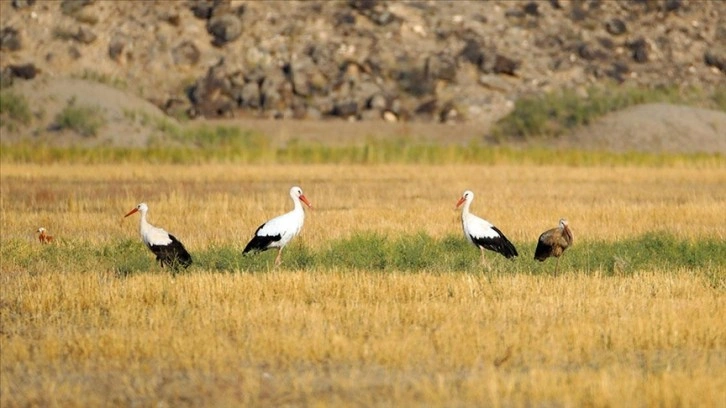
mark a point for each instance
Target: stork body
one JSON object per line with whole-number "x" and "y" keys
{"x": 481, "y": 233}
{"x": 43, "y": 237}
{"x": 168, "y": 250}
{"x": 554, "y": 242}
{"x": 279, "y": 231}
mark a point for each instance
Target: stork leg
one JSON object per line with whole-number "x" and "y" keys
{"x": 278, "y": 260}
{"x": 557, "y": 265}
{"x": 484, "y": 259}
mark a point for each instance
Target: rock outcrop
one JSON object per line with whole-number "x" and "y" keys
{"x": 362, "y": 59}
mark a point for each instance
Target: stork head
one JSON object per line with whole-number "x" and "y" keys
{"x": 40, "y": 230}
{"x": 563, "y": 223}
{"x": 466, "y": 197}
{"x": 141, "y": 207}
{"x": 297, "y": 193}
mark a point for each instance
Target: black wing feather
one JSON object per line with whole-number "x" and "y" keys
{"x": 261, "y": 242}
{"x": 498, "y": 244}
{"x": 172, "y": 254}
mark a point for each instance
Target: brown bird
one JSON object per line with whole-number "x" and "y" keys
{"x": 43, "y": 237}
{"x": 553, "y": 242}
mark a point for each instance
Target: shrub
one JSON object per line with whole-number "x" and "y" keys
{"x": 553, "y": 114}
{"x": 14, "y": 109}
{"x": 105, "y": 79}
{"x": 84, "y": 120}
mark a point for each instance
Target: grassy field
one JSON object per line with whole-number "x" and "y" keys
{"x": 380, "y": 301}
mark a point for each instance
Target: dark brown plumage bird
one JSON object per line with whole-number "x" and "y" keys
{"x": 43, "y": 237}
{"x": 553, "y": 242}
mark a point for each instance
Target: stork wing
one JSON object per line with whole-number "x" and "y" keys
{"x": 157, "y": 236}
{"x": 480, "y": 228}
{"x": 281, "y": 225}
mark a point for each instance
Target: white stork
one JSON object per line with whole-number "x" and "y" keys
{"x": 277, "y": 232}
{"x": 168, "y": 249}
{"x": 553, "y": 242}
{"x": 43, "y": 237}
{"x": 481, "y": 233}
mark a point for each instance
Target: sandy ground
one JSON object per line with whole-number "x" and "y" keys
{"x": 655, "y": 128}
{"x": 131, "y": 121}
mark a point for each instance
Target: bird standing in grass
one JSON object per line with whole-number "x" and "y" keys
{"x": 554, "y": 242}
{"x": 168, "y": 250}
{"x": 481, "y": 233}
{"x": 277, "y": 232}
{"x": 43, "y": 237}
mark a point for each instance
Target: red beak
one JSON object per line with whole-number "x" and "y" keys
{"x": 460, "y": 202}
{"x": 131, "y": 212}
{"x": 305, "y": 200}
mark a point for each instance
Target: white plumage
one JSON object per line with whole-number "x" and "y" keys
{"x": 481, "y": 233}
{"x": 166, "y": 247}
{"x": 279, "y": 231}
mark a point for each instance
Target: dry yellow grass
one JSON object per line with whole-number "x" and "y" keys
{"x": 223, "y": 203}
{"x": 356, "y": 338}
{"x": 363, "y": 339}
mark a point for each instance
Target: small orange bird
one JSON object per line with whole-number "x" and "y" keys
{"x": 553, "y": 242}
{"x": 43, "y": 237}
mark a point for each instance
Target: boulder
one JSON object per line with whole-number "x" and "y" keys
{"x": 24, "y": 71}
{"x": 185, "y": 53}
{"x": 715, "y": 60}
{"x": 615, "y": 26}
{"x": 639, "y": 50}
{"x": 224, "y": 28}
{"x": 21, "y": 4}
{"x": 211, "y": 96}
{"x": 10, "y": 39}
{"x": 70, "y": 7}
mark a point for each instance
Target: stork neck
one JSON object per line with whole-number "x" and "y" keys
{"x": 297, "y": 205}
{"x": 465, "y": 208}
{"x": 143, "y": 223}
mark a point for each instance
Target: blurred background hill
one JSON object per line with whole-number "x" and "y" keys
{"x": 490, "y": 71}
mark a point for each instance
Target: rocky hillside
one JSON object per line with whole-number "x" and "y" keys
{"x": 445, "y": 61}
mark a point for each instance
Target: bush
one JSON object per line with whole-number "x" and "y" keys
{"x": 84, "y": 120}
{"x": 554, "y": 114}
{"x": 14, "y": 109}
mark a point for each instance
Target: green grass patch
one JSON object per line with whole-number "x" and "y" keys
{"x": 84, "y": 120}
{"x": 101, "y": 78}
{"x": 378, "y": 253}
{"x": 225, "y": 145}
{"x": 223, "y": 138}
{"x": 556, "y": 113}
{"x": 14, "y": 110}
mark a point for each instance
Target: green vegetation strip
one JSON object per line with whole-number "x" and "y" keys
{"x": 556, "y": 113}
{"x": 377, "y": 253}
{"x": 374, "y": 152}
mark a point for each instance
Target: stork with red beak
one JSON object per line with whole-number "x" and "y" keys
{"x": 168, "y": 250}
{"x": 279, "y": 231}
{"x": 481, "y": 233}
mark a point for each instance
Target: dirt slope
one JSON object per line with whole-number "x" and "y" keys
{"x": 655, "y": 128}
{"x": 127, "y": 119}
{"x": 132, "y": 121}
